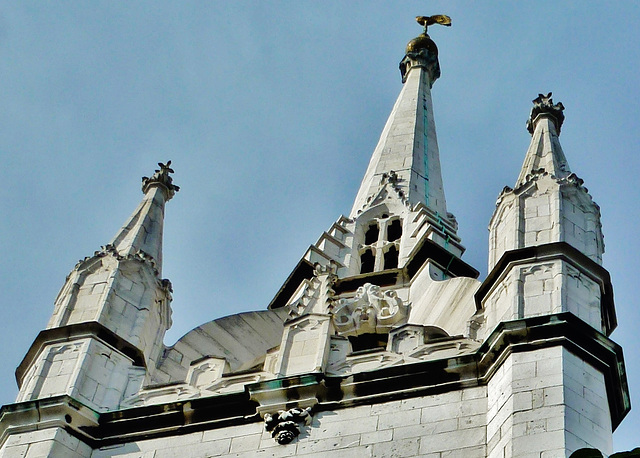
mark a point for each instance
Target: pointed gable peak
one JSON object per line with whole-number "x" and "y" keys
{"x": 389, "y": 188}
{"x": 142, "y": 233}
{"x": 545, "y": 153}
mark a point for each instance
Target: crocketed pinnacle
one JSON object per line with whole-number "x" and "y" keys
{"x": 143, "y": 230}
{"x": 544, "y": 151}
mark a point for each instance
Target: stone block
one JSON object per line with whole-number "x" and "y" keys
{"x": 406, "y": 418}
{"x": 543, "y": 413}
{"x": 469, "y": 452}
{"x": 397, "y": 448}
{"x": 473, "y": 393}
{"x": 425, "y": 430}
{"x": 329, "y": 444}
{"x": 345, "y": 428}
{"x": 376, "y": 437}
{"x": 352, "y": 452}
{"x": 344, "y": 414}
{"x": 522, "y": 401}
{"x": 212, "y": 448}
{"x": 40, "y": 449}
{"x": 386, "y": 408}
{"x": 167, "y": 442}
{"x": 240, "y": 430}
{"x": 439, "y": 412}
{"x": 30, "y": 437}
{"x": 494, "y": 423}
{"x": 527, "y": 384}
{"x": 245, "y": 443}
{"x": 537, "y": 443}
{"x": 472, "y": 407}
{"x": 472, "y": 421}
{"x": 15, "y": 451}
{"x": 465, "y": 438}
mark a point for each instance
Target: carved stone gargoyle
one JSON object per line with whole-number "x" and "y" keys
{"x": 284, "y": 425}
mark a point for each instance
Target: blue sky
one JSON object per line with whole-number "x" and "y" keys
{"x": 270, "y": 112}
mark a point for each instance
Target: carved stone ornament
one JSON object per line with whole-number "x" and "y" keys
{"x": 162, "y": 177}
{"x": 140, "y": 256}
{"x": 543, "y": 104}
{"x": 318, "y": 292}
{"x": 284, "y": 425}
{"x": 371, "y": 311}
{"x": 389, "y": 180}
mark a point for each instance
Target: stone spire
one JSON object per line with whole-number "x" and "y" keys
{"x": 143, "y": 230}
{"x": 408, "y": 145}
{"x": 545, "y": 151}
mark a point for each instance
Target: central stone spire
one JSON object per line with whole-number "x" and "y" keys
{"x": 408, "y": 146}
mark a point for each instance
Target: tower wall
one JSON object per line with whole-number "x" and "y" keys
{"x": 86, "y": 369}
{"x": 547, "y": 402}
{"x": 51, "y": 442}
{"x": 546, "y": 210}
{"x": 534, "y": 288}
{"x": 453, "y": 422}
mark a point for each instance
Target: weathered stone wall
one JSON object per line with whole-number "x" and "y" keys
{"x": 537, "y": 288}
{"x": 449, "y": 424}
{"x": 87, "y": 369}
{"x": 546, "y": 403}
{"x": 52, "y": 442}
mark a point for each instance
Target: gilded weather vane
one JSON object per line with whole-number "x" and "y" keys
{"x": 422, "y": 50}
{"x": 426, "y": 21}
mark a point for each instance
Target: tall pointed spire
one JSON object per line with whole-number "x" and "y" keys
{"x": 408, "y": 145}
{"x": 143, "y": 230}
{"x": 544, "y": 151}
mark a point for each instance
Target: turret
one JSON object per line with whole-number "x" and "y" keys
{"x": 550, "y": 216}
{"x": 545, "y": 254}
{"x": 110, "y": 317}
{"x": 548, "y": 203}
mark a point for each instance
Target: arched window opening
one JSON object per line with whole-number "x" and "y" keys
{"x": 371, "y": 236}
{"x": 391, "y": 258}
{"x": 394, "y": 230}
{"x": 367, "y": 261}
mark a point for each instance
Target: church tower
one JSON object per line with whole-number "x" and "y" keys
{"x": 381, "y": 341}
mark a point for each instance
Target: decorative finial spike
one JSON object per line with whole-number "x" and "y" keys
{"x": 543, "y": 104}
{"x": 161, "y": 177}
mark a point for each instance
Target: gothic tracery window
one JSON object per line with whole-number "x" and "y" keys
{"x": 381, "y": 244}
